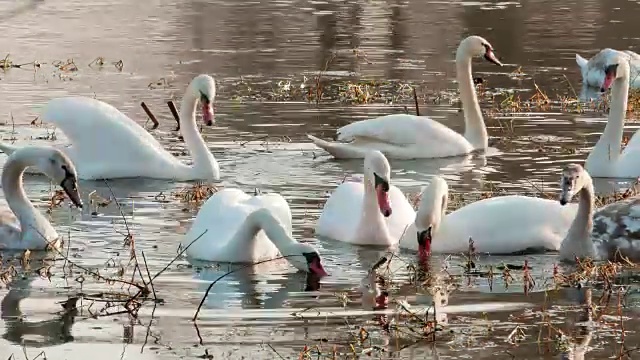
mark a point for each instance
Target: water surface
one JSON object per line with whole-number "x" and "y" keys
{"x": 252, "y": 48}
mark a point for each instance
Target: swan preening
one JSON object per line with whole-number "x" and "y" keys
{"x": 497, "y": 225}
{"x": 606, "y": 234}
{"x": 592, "y": 70}
{"x": 607, "y": 158}
{"x": 403, "y": 136}
{"x": 22, "y": 226}
{"x": 243, "y": 229}
{"x": 106, "y": 144}
{"x": 373, "y": 212}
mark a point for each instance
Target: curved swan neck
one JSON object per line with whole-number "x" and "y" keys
{"x": 263, "y": 219}
{"x": 203, "y": 160}
{"x": 610, "y": 143}
{"x": 30, "y": 219}
{"x": 433, "y": 206}
{"x": 475, "y": 130}
{"x": 370, "y": 207}
{"x": 578, "y": 241}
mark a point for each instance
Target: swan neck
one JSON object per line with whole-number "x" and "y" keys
{"x": 12, "y": 184}
{"x": 578, "y": 241}
{"x": 370, "y": 208}
{"x": 609, "y": 145}
{"x": 475, "y": 130}
{"x": 203, "y": 160}
{"x": 433, "y": 205}
{"x": 263, "y": 219}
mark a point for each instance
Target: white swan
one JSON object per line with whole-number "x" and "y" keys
{"x": 22, "y": 226}
{"x": 403, "y": 136}
{"x": 245, "y": 229}
{"x": 498, "y": 225}
{"x": 612, "y": 230}
{"x": 369, "y": 213}
{"x": 106, "y": 144}
{"x": 592, "y": 70}
{"x": 606, "y": 158}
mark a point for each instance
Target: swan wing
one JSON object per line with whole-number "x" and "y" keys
{"x": 79, "y": 116}
{"x": 616, "y": 228}
{"x": 102, "y": 137}
{"x": 10, "y": 231}
{"x": 400, "y": 129}
{"x": 221, "y": 216}
{"x": 341, "y": 214}
{"x": 505, "y": 224}
{"x": 402, "y": 214}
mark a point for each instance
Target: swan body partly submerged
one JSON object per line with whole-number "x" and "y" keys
{"x": 603, "y": 234}
{"x": 607, "y": 159}
{"x": 244, "y": 229}
{"x": 497, "y": 225}
{"x": 402, "y": 136}
{"x": 373, "y": 212}
{"x": 592, "y": 70}
{"x": 106, "y": 144}
{"x": 23, "y": 227}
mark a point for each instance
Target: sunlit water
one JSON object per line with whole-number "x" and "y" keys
{"x": 262, "y": 144}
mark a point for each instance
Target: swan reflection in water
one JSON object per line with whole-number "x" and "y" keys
{"x": 33, "y": 334}
{"x": 578, "y": 346}
{"x": 263, "y": 286}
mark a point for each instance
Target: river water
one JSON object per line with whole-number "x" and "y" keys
{"x": 253, "y": 48}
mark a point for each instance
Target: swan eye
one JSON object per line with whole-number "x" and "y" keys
{"x": 204, "y": 98}
{"x": 311, "y": 257}
{"x": 380, "y": 181}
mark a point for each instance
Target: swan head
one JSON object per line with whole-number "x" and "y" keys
{"x": 377, "y": 172}
{"x": 474, "y": 46}
{"x": 615, "y": 67}
{"x": 59, "y": 168}
{"x": 433, "y": 205}
{"x": 205, "y": 89}
{"x": 305, "y": 257}
{"x": 574, "y": 178}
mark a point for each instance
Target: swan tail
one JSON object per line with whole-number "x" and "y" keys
{"x": 8, "y": 148}
{"x": 338, "y": 150}
{"x": 582, "y": 63}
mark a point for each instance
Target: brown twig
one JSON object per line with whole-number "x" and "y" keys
{"x": 174, "y": 112}
{"x": 144, "y": 258}
{"x": 150, "y": 115}
{"x": 415, "y": 100}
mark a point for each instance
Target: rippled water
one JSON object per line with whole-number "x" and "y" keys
{"x": 262, "y": 144}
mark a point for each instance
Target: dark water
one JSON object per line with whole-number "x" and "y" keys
{"x": 254, "y": 47}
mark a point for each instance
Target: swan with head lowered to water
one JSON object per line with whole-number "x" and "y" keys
{"x": 106, "y": 144}
{"x": 22, "y": 227}
{"x": 403, "y": 136}
{"x": 592, "y": 70}
{"x": 498, "y": 225}
{"x": 609, "y": 233}
{"x": 373, "y": 212}
{"x": 235, "y": 227}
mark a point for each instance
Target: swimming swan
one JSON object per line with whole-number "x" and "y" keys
{"x": 245, "y": 229}
{"x": 369, "y": 213}
{"x": 22, "y": 227}
{"x": 497, "y": 225}
{"x": 403, "y": 136}
{"x": 106, "y": 144}
{"x": 606, "y": 158}
{"x": 612, "y": 230}
{"x": 592, "y": 70}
